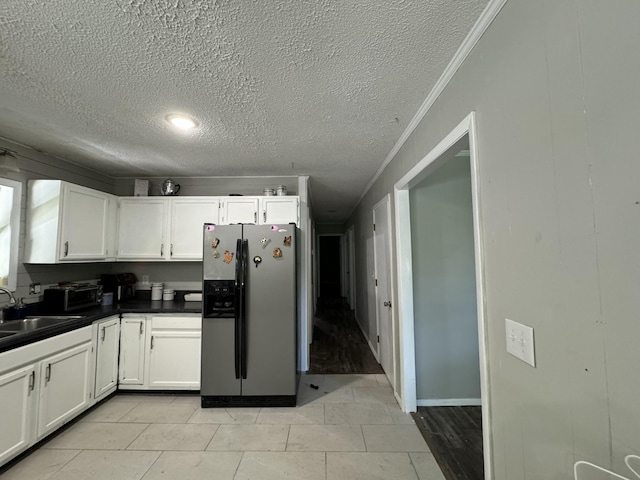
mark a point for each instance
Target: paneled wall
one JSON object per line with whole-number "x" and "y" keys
{"x": 554, "y": 85}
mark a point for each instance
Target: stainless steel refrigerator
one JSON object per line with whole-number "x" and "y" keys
{"x": 249, "y": 328}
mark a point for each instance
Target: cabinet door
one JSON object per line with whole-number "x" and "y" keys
{"x": 18, "y": 403}
{"x": 132, "y": 350}
{"x": 141, "y": 228}
{"x": 64, "y": 387}
{"x": 112, "y": 228}
{"x": 188, "y": 215}
{"x": 107, "y": 343}
{"x": 239, "y": 210}
{"x": 279, "y": 210}
{"x": 174, "y": 361}
{"x": 83, "y": 233}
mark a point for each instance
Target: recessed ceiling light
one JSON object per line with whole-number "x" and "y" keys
{"x": 182, "y": 122}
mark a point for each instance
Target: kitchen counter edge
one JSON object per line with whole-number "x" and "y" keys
{"x": 98, "y": 313}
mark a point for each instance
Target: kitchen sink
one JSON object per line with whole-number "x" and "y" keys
{"x": 34, "y": 323}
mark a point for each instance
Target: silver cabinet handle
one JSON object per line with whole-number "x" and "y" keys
{"x": 32, "y": 381}
{"x": 66, "y": 248}
{"x": 151, "y": 342}
{"x": 162, "y": 249}
{"x": 47, "y": 375}
{"x": 141, "y": 328}
{"x": 264, "y": 215}
{"x": 171, "y": 251}
{"x": 255, "y": 217}
{"x": 387, "y": 304}
{"x": 103, "y": 328}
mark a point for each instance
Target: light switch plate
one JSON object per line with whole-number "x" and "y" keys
{"x": 520, "y": 341}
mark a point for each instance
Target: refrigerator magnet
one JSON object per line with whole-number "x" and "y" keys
{"x": 265, "y": 241}
{"x": 257, "y": 260}
{"x": 275, "y": 228}
{"x": 287, "y": 241}
{"x": 215, "y": 243}
{"x": 228, "y": 256}
{"x": 216, "y": 254}
{"x": 277, "y": 253}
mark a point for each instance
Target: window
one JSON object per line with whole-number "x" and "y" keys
{"x": 10, "y": 195}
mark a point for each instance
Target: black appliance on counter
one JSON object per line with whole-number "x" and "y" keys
{"x": 73, "y": 296}
{"x": 122, "y": 285}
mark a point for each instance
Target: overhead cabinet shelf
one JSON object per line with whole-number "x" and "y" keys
{"x": 68, "y": 223}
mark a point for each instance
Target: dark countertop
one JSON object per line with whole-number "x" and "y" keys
{"x": 92, "y": 314}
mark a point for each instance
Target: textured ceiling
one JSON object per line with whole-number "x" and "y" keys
{"x": 283, "y": 87}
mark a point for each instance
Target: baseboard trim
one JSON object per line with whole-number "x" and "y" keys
{"x": 373, "y": 350}
{"x": 449, "y": 402}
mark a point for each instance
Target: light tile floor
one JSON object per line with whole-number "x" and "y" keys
{"x": 349, "y": 428}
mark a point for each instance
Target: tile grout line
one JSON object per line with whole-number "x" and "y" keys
{"x": 212, "y": 436}
{"x": 152, "y": 463}
{"x": 138, "y": 436}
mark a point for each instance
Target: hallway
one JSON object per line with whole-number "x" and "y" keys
{"x": 338, "y": 343}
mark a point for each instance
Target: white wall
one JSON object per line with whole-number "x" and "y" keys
{"x": 445, "y": 318}
{"x": 554, "y": 84}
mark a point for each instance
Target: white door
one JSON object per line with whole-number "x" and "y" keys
{"x": 64, "y": 387}
{"x": 17, "y": 401}
{"x": 279, "y": 210}
{"x": 174, "y": 360}
{"x": 83, "y": 235}
{"x": 132, "y": 350}
{"x": 382, "y": 254}
{"x": 142, "y": 228}
{"x": 107, "y": 346}
{"x": 239, "y": 210}
{"x": 188, "y": 215}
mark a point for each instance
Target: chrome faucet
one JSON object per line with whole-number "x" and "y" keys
{"x": 12, "y": 299}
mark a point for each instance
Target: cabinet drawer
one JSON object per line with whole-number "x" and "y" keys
{"x": 172, "y": 322}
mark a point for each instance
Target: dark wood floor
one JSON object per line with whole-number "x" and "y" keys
{"x": 338, "y": 343}
{"x": 454, "y": 436}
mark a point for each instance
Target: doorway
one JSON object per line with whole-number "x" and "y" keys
{"x": 330, "y": 256}
{"x": 459, "y": 288}
{"x": 338, "y": 345}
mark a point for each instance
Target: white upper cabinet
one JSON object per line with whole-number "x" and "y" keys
{"x": 66, "y": 223}
{"x": 239, "y": 210}
{"x": 188, "y": 216}
{"x": 279, "y": 210}
{"x": 142, "y": 227}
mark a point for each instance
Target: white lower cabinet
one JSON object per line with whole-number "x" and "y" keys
{"x": 65, "y": 387}
{"x": 160, "y": 352}
{"x": 132, "y": 350}
{"x": 18, "y": 399}
{"x": 174, "y": 354}
{"x": 42, "y": 386}
{"x": 106, "y": 335}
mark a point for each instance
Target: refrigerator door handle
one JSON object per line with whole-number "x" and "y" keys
{"x": 237, "y": 331}
{"x": 243, "y": 318}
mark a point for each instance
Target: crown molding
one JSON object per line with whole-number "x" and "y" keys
{"x": 486, "y": 18}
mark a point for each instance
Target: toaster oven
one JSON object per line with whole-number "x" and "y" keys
{"x": 70, "y": 297}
